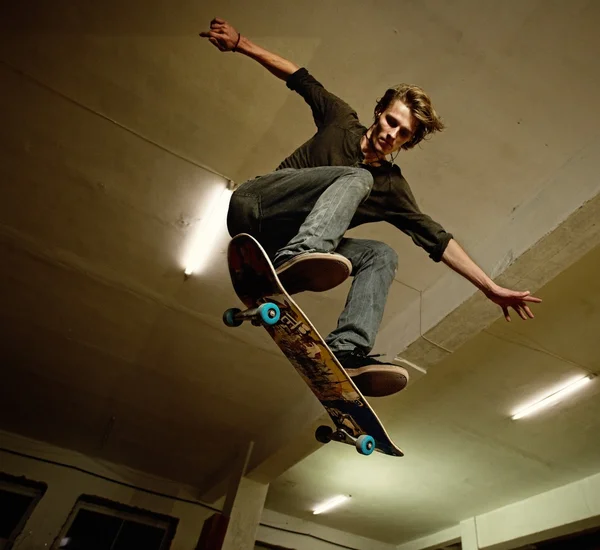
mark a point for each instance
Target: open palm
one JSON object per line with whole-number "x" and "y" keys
{"x": 514, "y": 299}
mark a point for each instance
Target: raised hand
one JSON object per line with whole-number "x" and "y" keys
{"x": 514, "y": 299}
{"x": 222, "y": 35}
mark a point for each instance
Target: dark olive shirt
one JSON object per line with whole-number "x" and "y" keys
{"x": 337, "y": 143}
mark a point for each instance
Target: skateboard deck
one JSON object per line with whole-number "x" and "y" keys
{"x": 268, "y": 304}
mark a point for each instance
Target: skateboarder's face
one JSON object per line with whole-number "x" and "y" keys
{"x": 394, "y": 127}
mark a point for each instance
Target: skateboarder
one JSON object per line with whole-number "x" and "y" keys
{"x": 339, "y": 179}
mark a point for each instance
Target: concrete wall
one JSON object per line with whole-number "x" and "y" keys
{"x": 559, "y": 512}
{"x": 66, "y": 485}
{"x": 562, "y": 511}
{"x": 316, "y": 536}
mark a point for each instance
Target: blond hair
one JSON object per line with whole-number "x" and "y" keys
{"x": 419, "y": 103}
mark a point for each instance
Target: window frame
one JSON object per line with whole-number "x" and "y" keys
{"x": 122, "y": 511}
{"x": 21, "y": 486}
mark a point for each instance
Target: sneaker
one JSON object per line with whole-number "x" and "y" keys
{"x": 372, "y": 377}
{"x": 314, "y": 271}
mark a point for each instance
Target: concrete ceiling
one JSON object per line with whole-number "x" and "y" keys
{"x": 117, "y": 120}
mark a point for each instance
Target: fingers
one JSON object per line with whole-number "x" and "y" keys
{"x": 526, "y": 296}
{"x": 218, "y": 24}
{"x": 220, "y": 35}
{"x": 518, "y": 300}
{"x": 216, "y": 43}
{"x": 216, "y": 39}
{"x": 213, "y": 34}
{"x": 520, "y": 310}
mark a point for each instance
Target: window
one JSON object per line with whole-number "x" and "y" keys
{"x": 18, "y": 497}
{"x": 100, "y": 524}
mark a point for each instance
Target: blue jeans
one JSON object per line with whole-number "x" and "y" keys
{"x": 292, "y": 211}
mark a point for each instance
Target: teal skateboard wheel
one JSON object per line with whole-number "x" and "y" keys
{"x": 269, "y": 313}
{"x": 365, "y": 444}
{"x": 229, "y": 317}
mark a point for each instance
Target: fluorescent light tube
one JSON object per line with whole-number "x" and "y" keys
{"x": 207, "y": 233}
{"x": 571, "y": 387}
{"x": 331, "y": 503}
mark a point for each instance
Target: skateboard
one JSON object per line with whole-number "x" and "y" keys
{"x": 269, "y": 305}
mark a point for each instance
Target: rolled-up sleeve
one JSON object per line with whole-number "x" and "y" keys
{"x": 424, "y": 232}
{"x": 325, "y": 106}
{"x": 421, "y": 228}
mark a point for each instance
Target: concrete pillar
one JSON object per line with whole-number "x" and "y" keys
{"x": 245, "y": 515}
{"x": 468, "y": 534}
{"x": 236, "y": 527}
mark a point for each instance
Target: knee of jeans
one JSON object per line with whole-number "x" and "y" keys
{"x": 365, "y": 177}
{"x": 386, "y": 255}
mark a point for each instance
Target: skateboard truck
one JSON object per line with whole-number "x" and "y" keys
{"x": 267, "y": 313}
{"x": 364, "y": 443}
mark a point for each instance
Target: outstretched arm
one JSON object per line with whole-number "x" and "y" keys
{"x": 457, "y": 259}
{"x": 227, "y": 39}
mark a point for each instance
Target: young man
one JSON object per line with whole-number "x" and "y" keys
{"x": 337, "y": 180}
